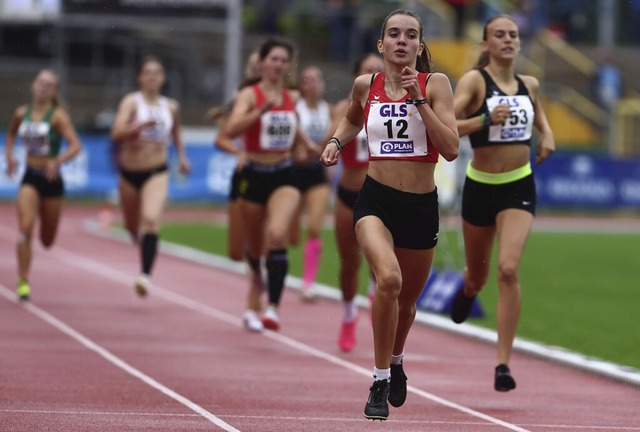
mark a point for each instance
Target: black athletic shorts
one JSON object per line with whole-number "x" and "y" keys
{"x": 481, "y": 202}
{"x": 234, "y": 190}
{"x": 45, "y": 188}
{"x": 347, "y": 196}
{"x": 260, "y": 181}
{"x": 137, "y": 179}
{"x": 412, "y": 219}
{"x": 309, "y": 175}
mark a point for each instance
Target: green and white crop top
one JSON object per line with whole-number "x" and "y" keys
{"x": 38, "y": 137}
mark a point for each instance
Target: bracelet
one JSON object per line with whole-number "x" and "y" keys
{"x": 416, "y": 101}
{"x": 336, "y": 141}
{"x": 485, "y": 120}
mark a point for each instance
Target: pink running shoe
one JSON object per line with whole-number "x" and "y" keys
{"x": 347, "y": 337}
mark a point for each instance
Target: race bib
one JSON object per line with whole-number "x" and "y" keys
{"x": 519, "y": 125}
{"x": 159, "y": 131}
{"x": 396, "y": 129}
{"x": 277, "y": 130}
{"x": 35, "y": 137}
{"x": 362, "y": 147}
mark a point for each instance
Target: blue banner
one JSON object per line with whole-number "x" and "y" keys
{"x": 93, "y": 172}
{"x": 565, "y": 180}
{"x": 583, "y": 181}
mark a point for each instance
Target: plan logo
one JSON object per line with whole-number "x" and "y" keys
{"x": 396, "y": 147}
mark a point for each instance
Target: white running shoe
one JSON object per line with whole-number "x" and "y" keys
{"x": 270, "y": 319}
{"x": 142, "y": 285}
{"x": 251, "y": 321}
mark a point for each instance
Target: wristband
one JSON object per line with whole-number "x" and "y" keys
{"x": 416, "y": 101}
{"x": 485, "y": 120}
{"x": 336, "y": 141}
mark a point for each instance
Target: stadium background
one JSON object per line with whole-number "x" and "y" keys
{"x": 96, "y": 44}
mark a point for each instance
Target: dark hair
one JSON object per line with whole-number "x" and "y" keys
{"x": 147, "y": 59}
{"x": 274, "y": 42}
{"x": 483, "y": 59}
{"x": 423, "y": 62}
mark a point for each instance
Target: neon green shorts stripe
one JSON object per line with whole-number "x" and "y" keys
{"x": 499, "y": 178}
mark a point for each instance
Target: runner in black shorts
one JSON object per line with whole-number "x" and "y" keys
{"x": 42, "y": 125}
{"x": 146, "y": 123}
{"x": 498, "y": 109}
{"x": 409, "y": 119}
{"x": 311, "y": 177}
{"x": 355, "y": 160}
{"x": 264, "y": 114}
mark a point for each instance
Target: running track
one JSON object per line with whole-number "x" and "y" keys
{"x": 88, "y": 355}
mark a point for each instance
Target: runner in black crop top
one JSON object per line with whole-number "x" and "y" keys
{"x": 517, "y": 129}
{"x": 497, "y": 109}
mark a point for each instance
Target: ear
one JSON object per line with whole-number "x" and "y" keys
{"x": 379, "y": 44}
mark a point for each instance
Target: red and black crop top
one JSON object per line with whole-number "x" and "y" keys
{"x": 275, "y": 130}
{"x": 395, "y": 129}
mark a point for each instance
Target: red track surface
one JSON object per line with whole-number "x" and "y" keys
{"x": 88, "y": 355}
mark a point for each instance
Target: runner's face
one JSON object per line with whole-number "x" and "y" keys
{"x": 151, "y": 77}
{"x": 371, "y": 65}
{"x": 503, "y": 39}
{"x": 312, "y": 83}
{"x": 276, "y": 64}
{"x": 401, "y": 41}
{"x": 44, "y": 87}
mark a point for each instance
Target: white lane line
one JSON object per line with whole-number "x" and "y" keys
{"x": 94, "y": 267}
{"x": 116, "y": 361}
{"x": 553, "y": 427}
{"x": 92, "y": 413}
{"x": 619, "y": 373}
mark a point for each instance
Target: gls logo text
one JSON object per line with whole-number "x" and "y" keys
{"x": 393, "y": 110}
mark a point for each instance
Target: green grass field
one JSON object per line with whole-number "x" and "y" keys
{"x": 580, "y": 291}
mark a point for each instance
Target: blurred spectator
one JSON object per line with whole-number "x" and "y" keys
{"x": 573, "y": 20}
{"x": 522, "y": 15}
{"x": 341, "y": 17}
{"x": 634, "y": 7}
{"x": 607, "y": 83}
{"x": 269, "y": 16}
{"x": 463, "y": 12}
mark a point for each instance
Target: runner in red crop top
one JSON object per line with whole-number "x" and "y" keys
{"x": 265, "y": 115}
{"x": 395, "y": 129}
{"x": 274, "y": 131}
{"x": 396, "y": 212}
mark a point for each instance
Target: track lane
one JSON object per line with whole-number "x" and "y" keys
{"x": 256, "y": 382}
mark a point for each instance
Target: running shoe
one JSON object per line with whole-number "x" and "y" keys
{"x": 377, "y": 407}
{"x": 142, "y": 285}
{"x": 252, "y": 322}
{"x": 397, "y": 386}
{"x": 308, "y": 294}
{"x": 461, "y": 306}
{"x": 270, "y": 319}
{"x": 24, "y": 290}
{"x": 504, "y": 381}
{"x": 347, "y": 337}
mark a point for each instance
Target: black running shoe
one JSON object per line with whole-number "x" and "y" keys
{"x": 397, "y": 386}
{"x": 461, "y": 306}
{"x": 504, "y": 381}
{"x": 376, "y": 407}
